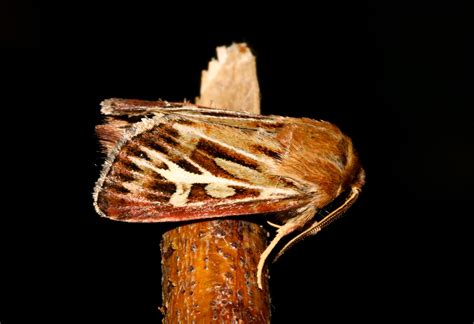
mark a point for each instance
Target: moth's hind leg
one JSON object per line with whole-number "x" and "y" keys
{"x": 317, "y": 226}
{"x": 293, "y": 224}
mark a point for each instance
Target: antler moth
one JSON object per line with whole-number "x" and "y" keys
{"x": 172, "y": 162}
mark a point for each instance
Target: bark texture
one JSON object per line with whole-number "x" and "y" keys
{"x": 209, "y": 273}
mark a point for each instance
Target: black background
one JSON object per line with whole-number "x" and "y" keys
{"x": 19, "y": 24}
{"x": 393, "y": 78}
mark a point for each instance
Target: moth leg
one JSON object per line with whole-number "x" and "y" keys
{"x": 317, "y": 226}
{"x": 282, "y": 231}
{"x": 274, "y": 225}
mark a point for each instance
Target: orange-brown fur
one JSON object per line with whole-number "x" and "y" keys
{"x": 316, "y": 155}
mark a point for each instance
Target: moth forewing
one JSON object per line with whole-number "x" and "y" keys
{"x": 183, "y": 162}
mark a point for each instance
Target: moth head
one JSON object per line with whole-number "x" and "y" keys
{"x": 353, "y": 174}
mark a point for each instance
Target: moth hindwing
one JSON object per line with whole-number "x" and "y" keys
{"x": 182, "y": 162}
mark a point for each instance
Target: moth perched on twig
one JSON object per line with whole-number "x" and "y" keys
{"x": 178, "y": 162}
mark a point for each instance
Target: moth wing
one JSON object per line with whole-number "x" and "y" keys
{"x": 174, "y": 168}
{"x": 121, "y": 114}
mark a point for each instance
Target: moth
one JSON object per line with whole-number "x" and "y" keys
{"x": 171, "y": 162}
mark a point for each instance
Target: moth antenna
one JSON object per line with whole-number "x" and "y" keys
{"x": 317, "y": 226}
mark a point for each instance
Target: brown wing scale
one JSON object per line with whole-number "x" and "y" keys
{"x": 182, "y": 168}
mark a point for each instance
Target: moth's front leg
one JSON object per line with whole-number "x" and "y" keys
{"x": 305, "y": 213}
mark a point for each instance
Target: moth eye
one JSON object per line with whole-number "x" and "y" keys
{"x": 343, "y": 158}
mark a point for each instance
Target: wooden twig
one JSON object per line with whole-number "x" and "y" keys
{"x": 209, "y": 267}
{"x": 209, "y": 273}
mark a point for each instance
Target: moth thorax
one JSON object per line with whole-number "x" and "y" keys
{"x": 320, "y": 155}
